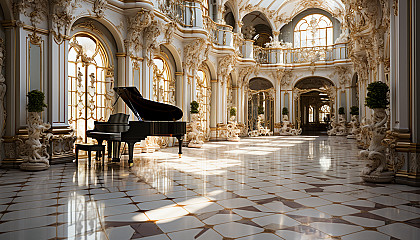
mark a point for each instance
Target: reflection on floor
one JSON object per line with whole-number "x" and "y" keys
{"x": 259, "y": 188}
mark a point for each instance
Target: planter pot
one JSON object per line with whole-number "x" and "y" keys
{"x": 376, "y": 167}
{"x": 196, "y": 135}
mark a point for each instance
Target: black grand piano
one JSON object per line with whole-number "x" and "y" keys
{"x": 154, "y": 119}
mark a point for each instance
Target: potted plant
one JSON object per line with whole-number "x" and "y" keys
{"x": 37, "y": 155}
{"x": 341, "y": 111}
{"x": 194, "y": 107}
{"x": 376, "y": 168}
{"x": 377, "y": 96}
{"x": 232, "y": 113}
{"x": 354, "y": 110}
{"x": 196, "y": 134}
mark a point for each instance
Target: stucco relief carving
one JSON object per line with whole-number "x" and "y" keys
{"x": 62, "y": 16}
{"x": 368, "y": 23}
{"x": 136, "y": 25}
{"x": 99, "y": 8}
{"x": 414, "y": 163}
{"x": 288, "y": 78}
{"x": 195, "y": 53}
{"x": 151, "y": 33}
{"x": 62, "y": 144}
{"x": 225, "y": 67}
{"x": 36, "y": 10}
{"x": 169, "y": 32}
{"x": 343, "y": 74}
{"x": 244, "y": 74}
{"x": 278, "y": 76}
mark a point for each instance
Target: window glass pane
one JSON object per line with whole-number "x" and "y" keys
{"x": 312, "y": 31}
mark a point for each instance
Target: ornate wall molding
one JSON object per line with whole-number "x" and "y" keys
{"x": 343, "y": 74}
{"x": 150, "y": 34}
{"x": 136, "y": 25}
{"x": 195, "y": 53}
{"x": 62, "y": 16}
{"x": 245, "y": 73}
{"x": 277, "y": 75}
{"x": 99, "y": 8}
{"x": 36, "y": 10}
{"x": 225, "y": 67}
{"x": 169, "y": 32}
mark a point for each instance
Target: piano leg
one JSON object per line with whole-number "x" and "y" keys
{"x": 109, "y": 144}
{"x": 130, "y": 153}
{"x": 180, "y": 140}
{"x": 116, "y": 151}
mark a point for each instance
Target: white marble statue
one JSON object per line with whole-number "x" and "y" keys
{"x": 341, "y": 126}
{"x": 365, "y": 135}
{"x": 37, "y": 157}
{"x": 376, "y": 168}
{"x": 149, "y": 145}
{"x": 261, "y": 131}
{"x": 333, "y": 129}
{"x": 233, "y": 130}
{"x": 196, "y": 135}
{"x": 355, "y": 129}
{"x": 287, "y": 130}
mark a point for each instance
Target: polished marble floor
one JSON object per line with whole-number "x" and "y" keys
{"x": 261, "y": 188}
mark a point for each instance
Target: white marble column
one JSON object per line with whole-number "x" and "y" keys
{"x": 277, "y": 103}
{"x": 400, "y": 69}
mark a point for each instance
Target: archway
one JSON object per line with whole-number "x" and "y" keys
{"x": 260, "y": 95}
{"x": 257, "y": 27}
{"x": 315, "y": 97}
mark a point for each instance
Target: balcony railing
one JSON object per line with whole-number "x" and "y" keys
{"x": 300, "y": 55}
{"x": 220, "y": 34}
{"x": 185, "y": 13}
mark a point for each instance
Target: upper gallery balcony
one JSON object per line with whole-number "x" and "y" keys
{"x": 189, "y": 14}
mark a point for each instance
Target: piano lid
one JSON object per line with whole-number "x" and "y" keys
{"x": 145, "y": 109}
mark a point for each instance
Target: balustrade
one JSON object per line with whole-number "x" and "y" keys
{"x": 300, "y": 55}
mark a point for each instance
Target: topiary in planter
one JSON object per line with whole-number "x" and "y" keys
{"x": 285, "y": 111}
{"x": 377, "y": 96}
{"x": 36, "y": 101}
{"x": 260, "y": 110}
{"x": 341, "y": 110}
{"x": 233, "y": 112}
{"x": 194, "y": 107}
{"x": 354, "y": 110}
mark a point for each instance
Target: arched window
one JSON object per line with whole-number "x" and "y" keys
{"x": 203, "y": 98}
{"x": 313, "y": 30}
{"x": 324, "y": 113}
{"x": 163, "y": 84}
{"x": 90, "y": 83}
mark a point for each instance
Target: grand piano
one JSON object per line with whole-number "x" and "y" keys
{"x": 154, "y": 119}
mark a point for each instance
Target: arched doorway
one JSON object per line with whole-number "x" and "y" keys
{"x": 315, "y": 97}
{"x": 260, "y": 95}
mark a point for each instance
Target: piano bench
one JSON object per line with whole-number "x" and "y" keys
{"x": 100, "y": 151}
